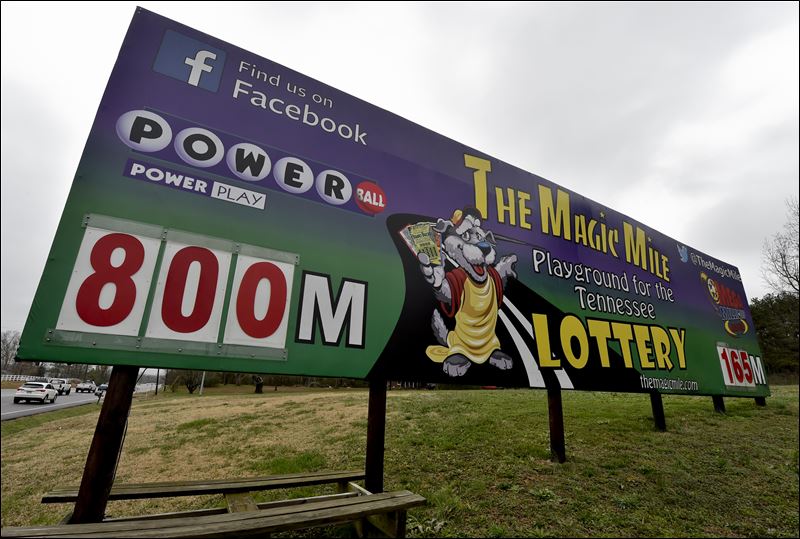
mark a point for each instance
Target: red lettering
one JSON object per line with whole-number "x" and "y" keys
{"x": 245, "y": 301}
{"x": 87, "y": 302}
{"x": 175, "y": 288}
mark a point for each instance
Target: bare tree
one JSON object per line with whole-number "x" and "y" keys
{"x": 175, "y": 377}
{"x": 192, "y": 380}
{"x": 8, "y": 348}
{"x": 781, "y": 252}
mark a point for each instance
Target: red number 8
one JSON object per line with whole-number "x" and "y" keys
{"x": 87, "y": 303}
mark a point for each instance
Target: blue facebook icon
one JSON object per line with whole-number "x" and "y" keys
{"x": 191, "y": 61}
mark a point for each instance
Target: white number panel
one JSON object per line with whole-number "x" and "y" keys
{"x": 739, "y": 368}
{"x": 258, "y": 312}
{"x": 107, "y": 292}
{"x": 189, "y": 293}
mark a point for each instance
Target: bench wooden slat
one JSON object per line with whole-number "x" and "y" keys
{"x": 240, "y": 502}
{"x": 251, "y": 523}
{"x": 221, "y": 486}
{"x": 311, "y": 499}
{"x": 358, "y": 489}
{"x": 175, "y": 514}
{"x": 332, "y": 475}
{"x": 221, "y": 510}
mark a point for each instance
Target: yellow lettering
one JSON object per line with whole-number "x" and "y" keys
{"x": 543, "y": 342}
{"x": 595, "y": 241}
{"x": 661, "y": 347}
{"x": 524, "y": 210}
{"x": 654, "y": 344}
{"x": 613, "y": 240}
{"x": 571, "y": 327}
{"x": 624, "y": 334}
{"x": 504, "y": 208}
{"x": 635, "y": 247}
{"x": 580, "y": 229}
{"x": 557, "y": 215}
{"x": 642, "y": 341}
{"x": 679, "y": 338}
{"x": 601, "y": 331}
{"x": 481, "y": 167}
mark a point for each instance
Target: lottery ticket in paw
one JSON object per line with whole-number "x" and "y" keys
{"x": 422, "y": 238}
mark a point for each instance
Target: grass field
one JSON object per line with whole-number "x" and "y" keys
{"x": 481, "y": 458}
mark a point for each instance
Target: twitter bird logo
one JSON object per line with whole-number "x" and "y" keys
{"x": 684, "y": 252}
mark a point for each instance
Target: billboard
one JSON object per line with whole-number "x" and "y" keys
{"x": 231, "y": 214}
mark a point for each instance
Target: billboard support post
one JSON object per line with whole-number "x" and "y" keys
{"x": 658, "y": 411}
{"x": 376, "y": 434}
{"x": 101, "y": 463}
{"x": 719, "y": 404}
{"x": 555, "y": 411}
{"x": 761, "y": 401}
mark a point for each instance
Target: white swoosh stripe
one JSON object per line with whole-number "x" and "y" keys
{"x": 534, "y": 374}
{"x": 563, "y": 377}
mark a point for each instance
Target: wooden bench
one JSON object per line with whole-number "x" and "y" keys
{"x": 383, "y": 512}
{"x": 132, "y": 491}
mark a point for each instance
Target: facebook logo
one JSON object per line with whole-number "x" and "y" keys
{"x": 191, "y": 61}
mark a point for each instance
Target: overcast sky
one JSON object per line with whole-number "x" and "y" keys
{"x": 681, "y": 115}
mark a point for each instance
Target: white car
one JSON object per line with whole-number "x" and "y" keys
{"x": 36, "y": 391}
{"x": 61, "y": 385}
{"x": 87, "y": 386}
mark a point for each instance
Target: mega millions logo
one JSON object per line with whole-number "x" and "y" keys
{"x": 728, "y": 304}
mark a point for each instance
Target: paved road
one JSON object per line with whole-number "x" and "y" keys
{"x": 13, "y": 411}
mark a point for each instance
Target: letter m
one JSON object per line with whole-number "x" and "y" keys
{"x": 758, "y": 370}
{"x": 318, "y": 308}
